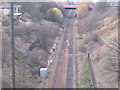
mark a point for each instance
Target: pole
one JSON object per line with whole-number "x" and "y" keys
{"x": 12, "y": 45}
{"x": 92, "y": 72}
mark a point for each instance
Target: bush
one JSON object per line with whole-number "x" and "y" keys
{"x": 27, "y": 32}
{"x": 36, "y": 10}
{"x": 54, "y": 14}
{"x": 5, "y": 21}
{"x": 38, "y": 58}
{"x": 83, "y": 49}
{"x": 83, "y": 9}
{"x": 46, "y": 5}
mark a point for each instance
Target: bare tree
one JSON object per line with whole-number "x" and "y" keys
{"x": 114, "y": 56}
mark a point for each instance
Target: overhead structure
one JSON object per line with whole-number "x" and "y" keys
{"x": 70, "y": 6}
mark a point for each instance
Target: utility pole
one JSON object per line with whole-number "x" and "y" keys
{"x": 94, "y": 83}
{"x": 12, "y": 44}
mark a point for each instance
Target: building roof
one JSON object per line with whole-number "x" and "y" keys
{"x": 7, "y": 6}
{"x": 17, "y": 14}
{"x": 42, "y": 69}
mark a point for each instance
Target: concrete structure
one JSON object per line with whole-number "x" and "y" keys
{"x": 70, "y": 6}
{"x": 5, "y": 8}
{"x": 43, "y": 72}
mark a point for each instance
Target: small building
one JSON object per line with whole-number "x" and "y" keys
{"x": 43, "y": 72}
{"x": 18, "y": 16}
{"x": 5, "y": 8}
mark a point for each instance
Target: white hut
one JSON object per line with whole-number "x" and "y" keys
{"x": 43, "y": 72}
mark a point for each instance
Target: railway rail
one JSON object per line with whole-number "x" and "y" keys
{"x": 63, "y": 68}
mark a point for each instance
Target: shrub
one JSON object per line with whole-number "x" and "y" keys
{"x": 83, "y": 9}
{"x": 5, "y": 21}
{"x": 38, "y": 58}
{"x": 97, "y": 39}
{"x": 54, "y": 14}
{"x": 27, "y": 32}
{"x": 36, "y": 10}
{"x": 83, "y": 48}
{"x": 46, "y": 5}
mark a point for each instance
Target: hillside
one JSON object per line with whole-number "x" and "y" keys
{"x": 79, "y": 47}
{"x": 41, "y": 34}
{"x": 98, "y": 35}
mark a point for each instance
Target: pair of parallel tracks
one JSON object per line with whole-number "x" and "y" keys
{"x": 63, "y": 74}
{"x": 65, "y": 69}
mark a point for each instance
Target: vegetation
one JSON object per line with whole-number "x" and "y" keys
{"x": 89, "y": 19}
{"x": 98, "y": 34}
{"x": 40, "y": 37}
{"x": 38, "y": 11}
{"x": 85, "y": 79}
{"x": 83, "y": 9}
{"x": 54, "y": 14}
{"x": 5, "y": 21}
{"x": 33, "y": 42}
{"x": 114, "y": 46}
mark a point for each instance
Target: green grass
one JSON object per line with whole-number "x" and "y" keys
{"x": 85, "y": 79}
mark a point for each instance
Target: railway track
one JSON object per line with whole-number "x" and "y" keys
{"x": 64, "y": 73}
{"x": 70, "y": 73}
{"x": 59, "y": 65}
{"x": 63, "y": 68}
